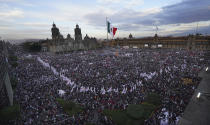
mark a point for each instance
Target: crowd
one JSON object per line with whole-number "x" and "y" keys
{"x": 106, "y": 79}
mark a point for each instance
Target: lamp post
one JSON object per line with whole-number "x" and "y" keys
{"x": 202, "y": 94}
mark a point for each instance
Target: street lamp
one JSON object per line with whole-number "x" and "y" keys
{"x": 198, "y": 95}
{"x": 207, "y": 69}
{"x": 203, "y": 94}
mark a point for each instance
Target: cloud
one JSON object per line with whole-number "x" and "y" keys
{"x": 19, "y": 2}
{"x": 36, "y": 25}
{"x": 127, "y": 15}
{"x": 131, "y": 2}
{"x": 109, "y": 1}
{"x": 187, "y": 11}
{"x": 135, "y": 27}
{"x": 128, "y": 27}
{"x": 121, "y": 3}
{"x": 8, "y": 13}
{"x": 97, "y": 19}
{"x": 202, "y": 30}
{"x": 180, "y": 19}
{"x": 10, "y": 1}
{"x": 15, "y": 33}
{"x": 11, "y": 14}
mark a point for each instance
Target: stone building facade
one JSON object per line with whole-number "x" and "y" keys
{"x": 60, "y": 44}
{"x": 191, "y": 42}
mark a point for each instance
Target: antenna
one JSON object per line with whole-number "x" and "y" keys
{"x": 156, "y": 29}
{"x": 197, "y": 28}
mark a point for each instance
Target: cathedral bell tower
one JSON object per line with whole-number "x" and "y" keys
{"x": 77, "y": 33}
{"x": 55, "y": 32}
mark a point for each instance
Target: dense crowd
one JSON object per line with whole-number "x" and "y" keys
{"x": 105, "y": 79}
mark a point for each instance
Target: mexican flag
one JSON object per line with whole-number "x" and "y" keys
{"x": 110, "y": 29}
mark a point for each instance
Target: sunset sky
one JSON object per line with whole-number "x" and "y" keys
{"x": 32, "y": 19}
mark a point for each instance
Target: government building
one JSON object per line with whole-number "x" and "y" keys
{"x": 190, "y": 42}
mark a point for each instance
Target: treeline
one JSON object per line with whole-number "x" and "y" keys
{"x": 8, "y": 62}
{"x": 32, "y": 46}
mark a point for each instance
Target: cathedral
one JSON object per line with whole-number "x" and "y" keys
{"x": 60, "y": 44}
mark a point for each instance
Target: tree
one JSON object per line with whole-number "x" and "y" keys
{"x": 153, "y": 98}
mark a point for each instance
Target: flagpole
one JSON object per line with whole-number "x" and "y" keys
{"x": 106, "y": 30}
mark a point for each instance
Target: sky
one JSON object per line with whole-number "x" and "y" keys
{"x": 32, "y": 19}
